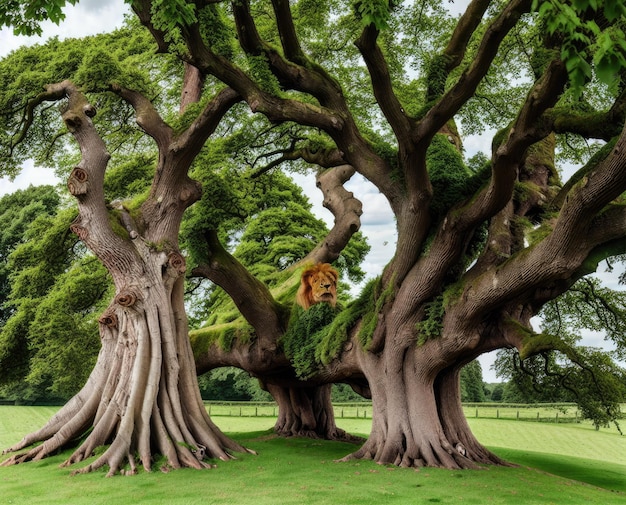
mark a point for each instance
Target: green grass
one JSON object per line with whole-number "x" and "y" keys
{"x": 562, "y": 464}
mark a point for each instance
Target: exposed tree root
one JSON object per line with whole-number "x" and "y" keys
{"x": 139, "y": 401}
{"x": 307, "y": 412}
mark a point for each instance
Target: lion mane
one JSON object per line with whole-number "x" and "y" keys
{"x": 318, "y": 284}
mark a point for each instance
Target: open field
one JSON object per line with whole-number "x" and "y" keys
{"x": 561, "y": 464}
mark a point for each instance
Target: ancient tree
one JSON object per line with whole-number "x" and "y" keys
{"x": 478, "y": 252}
{"x": 481, "y": 248}
{"x": 142, "y": 396}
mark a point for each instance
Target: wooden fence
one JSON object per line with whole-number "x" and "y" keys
{"x": 542, "y": 412}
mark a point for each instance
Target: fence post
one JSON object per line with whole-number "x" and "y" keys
{"x": 476, "y": 412}
{"x": 497, "y": 413}
{"x": 342, "y": 412}
{"x": 518, "y": 414}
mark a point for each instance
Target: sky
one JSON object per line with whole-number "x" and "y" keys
{"x": 89, "y": 17}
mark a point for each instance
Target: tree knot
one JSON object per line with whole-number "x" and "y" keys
{"x": 81, "y": 232}
{"x": 108, "y": 319}
{"x": 89, "y": 110}
{"x": 127, "y": 297}
{"x": 77, "y": 181}
{"x": 177, "y": 261}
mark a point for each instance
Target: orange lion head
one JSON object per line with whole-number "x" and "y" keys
{"x": 318, "y": 284}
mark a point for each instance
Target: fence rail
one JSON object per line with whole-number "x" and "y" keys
{"x": 553, "y": 412}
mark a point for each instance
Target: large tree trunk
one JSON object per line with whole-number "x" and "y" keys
{"x": 448, "y": 393}
{"x": 417, "y": 415}
{"x": 306, "y": 411}
{"x": 142, "y": 397}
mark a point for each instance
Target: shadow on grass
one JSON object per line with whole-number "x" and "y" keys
{"x": 611, "y": 476}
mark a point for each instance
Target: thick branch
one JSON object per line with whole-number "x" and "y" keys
{"x": 252, "y": 298}
{"x": 465, "y": 87}
{"x": 287, "y": 31}
{"x": 86, "y": 183}
{"x": 381, "y": 84}
{"x": 580, "y": 239}
{"x": 529, "y": 127}
{"x": 193, "y": 82}
{"x": 194, "y": 137}
{"x": 596, "y": 190}
{"x": 300, "y": 73}
{"x": 147, "y": 116}
{"x": 346, "y": 209}
{"x": 455, "y": 50}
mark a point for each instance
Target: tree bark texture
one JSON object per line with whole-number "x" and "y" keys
{"x": 142, "y": 398}
{"x": 306, "y": 412}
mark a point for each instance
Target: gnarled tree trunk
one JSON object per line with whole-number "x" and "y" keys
{"x": 142, "y": 397}
{"x": 306, "y": 411}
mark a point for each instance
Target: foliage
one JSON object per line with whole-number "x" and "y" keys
{"x": 375, "y": 12}
{"x": 231, "y": 384}
{"x": 25, "y": 17}
{"x": 585, "y": 38}
{"x": 305, "y": 332}
{"x": 18, "y": 210}
{"x": 124, "y": 56}
{"x": 448, "y": 176}
{"x": 585, "y": 376}
{"x": 52, "y": 331}
{"x": 265, "y": 221}
{"x": 472, "y": 387}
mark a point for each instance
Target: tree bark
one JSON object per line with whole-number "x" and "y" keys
{"x": 306, "y": 412}
{"x": 417, "y": 416}
{"x": 142, "y": 398}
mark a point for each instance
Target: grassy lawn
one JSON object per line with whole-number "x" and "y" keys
{"x": 560, "y": 463}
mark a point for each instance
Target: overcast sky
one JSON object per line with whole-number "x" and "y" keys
{"x": 95, "y": 16}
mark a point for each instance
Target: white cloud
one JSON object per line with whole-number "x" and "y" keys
{"x": 30, "y": 175}
{"x": 87, "y": 17}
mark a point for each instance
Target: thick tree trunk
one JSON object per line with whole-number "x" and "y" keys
{"x": 448, "y": 393}
{"x": 142, "y": 397}
{"x": 306, "y": 412}
{"x": 417, "y": 417}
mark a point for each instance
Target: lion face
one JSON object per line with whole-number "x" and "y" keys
{"x": 317, "y": 285}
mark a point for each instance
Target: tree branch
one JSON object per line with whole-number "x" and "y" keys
{"x": 464, "y": 88}
{"x": 52, "y": 93}
{"x": 146, "y": 116}
{"x": 252, "y": 298}
{"x": 194, "y": 137}
{"x": 287, "y": 32}
{"x": 323, "y": 157}
{"x": 381, "y": 84}
{"x": 347, "y": 211}
{"x": 454, "y": 52}
{"x": 529, "y": 127}
{"x": 86, "y": 180}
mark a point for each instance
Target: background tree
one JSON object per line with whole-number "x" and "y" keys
{"x": 480, "y": 249}
{"x": 18, "y": 210}
{"x": 472, "y": 387}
